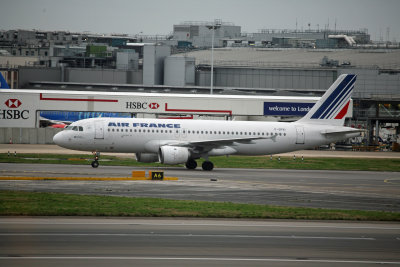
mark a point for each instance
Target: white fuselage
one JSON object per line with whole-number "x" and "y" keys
{"x": 131, "y": 135}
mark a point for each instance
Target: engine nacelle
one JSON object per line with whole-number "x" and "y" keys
{"x": 173, "y": 154}
{"x": 147, "y": 157}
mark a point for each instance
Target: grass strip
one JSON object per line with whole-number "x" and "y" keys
{"x": 16, "y": 203}
{"x": 261, "y": 162}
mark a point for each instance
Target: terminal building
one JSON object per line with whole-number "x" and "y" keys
{"x": 268, "y": 63}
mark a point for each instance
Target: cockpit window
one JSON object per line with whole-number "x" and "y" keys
{"x": 74, "y": 128}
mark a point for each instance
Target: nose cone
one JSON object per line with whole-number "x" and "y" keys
{"x": 58, "y": 139}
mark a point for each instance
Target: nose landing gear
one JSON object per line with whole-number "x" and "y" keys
{"x": 95, "y": 163}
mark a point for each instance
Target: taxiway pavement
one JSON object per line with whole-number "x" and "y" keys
{"x": 183, "y": 242}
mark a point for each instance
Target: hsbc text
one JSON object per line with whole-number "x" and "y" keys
{"x": 8, "y": 114}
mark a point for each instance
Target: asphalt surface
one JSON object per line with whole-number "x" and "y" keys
{"x": 177, "y": 242}
{"x": 304, "y": 188}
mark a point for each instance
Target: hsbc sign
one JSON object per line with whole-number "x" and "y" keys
{"x": 142, "y": 105}
{"x": 13, "y": 103}
{"x": 12, "y": 112}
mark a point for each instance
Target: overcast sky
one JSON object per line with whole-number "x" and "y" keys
{"x": 158, "y": 16}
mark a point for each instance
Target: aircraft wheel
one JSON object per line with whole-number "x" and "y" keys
{"x": 191, "y": 164}
{"x": 207, "y": 166}
{"x": 95, "y": 164}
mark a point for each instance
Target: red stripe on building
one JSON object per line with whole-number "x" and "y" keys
{"x": 197, "y": 110}
{"x": 76, "y": 99}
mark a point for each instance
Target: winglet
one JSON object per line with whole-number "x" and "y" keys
{"x": 3, "y": 83}
{"x": 333, "y": 105}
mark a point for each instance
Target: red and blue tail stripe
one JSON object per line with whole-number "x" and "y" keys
{"x": 337, "y": 101}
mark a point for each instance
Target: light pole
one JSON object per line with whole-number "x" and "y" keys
{"x": 216, "y": 25}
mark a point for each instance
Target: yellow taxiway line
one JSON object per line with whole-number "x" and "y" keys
{"x": 85, "y": 178}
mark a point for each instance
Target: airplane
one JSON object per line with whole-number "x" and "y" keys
{"x": 183, "y": 142}
{"x": 3, "y": 83}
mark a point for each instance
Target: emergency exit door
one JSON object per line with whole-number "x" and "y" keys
{"x": 300, "y": 136}
{"x": 99, "y": 130}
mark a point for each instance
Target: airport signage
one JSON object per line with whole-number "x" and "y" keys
{"x": 142, "y": 105}
{"x": 16, "y": 111}
{"x": 286, "y": 108}
{"x": 12, "y": 113}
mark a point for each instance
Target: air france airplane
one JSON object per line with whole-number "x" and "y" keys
{"x": 178, "y": 142}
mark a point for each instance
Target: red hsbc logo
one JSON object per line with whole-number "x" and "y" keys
{"x": 13, "y": 103}
{"x": 154, "y": 105}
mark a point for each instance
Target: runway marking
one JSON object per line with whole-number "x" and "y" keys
{"x": 201, "y": 259}
{"x": 193, "y": 235}
{"x": 395, "y": 181}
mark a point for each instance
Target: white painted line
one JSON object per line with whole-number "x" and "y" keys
{"x": 202, "y": 259}
{"x": 191, "y": 235}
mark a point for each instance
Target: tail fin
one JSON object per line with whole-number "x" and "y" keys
{"x": 333, "y": 105}
{"x": 3, "y": 83}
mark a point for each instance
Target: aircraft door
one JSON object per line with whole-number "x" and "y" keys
{"x": 300, "y": 136}
{"x": 99, "y": 130}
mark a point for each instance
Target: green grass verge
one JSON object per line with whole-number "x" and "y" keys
{"x": 16, "y": 203}
{"x": 362, "y": 164}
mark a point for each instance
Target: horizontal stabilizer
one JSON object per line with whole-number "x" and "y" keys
{"x": 343, "y": 130}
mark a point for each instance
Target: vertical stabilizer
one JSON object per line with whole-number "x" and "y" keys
{"x": 333, "y": 105}
{"x": 3, "y": 83}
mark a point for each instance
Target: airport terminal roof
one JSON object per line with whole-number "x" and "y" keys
{"x": 300, "y": 58}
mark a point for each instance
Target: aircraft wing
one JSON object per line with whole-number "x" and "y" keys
{"x": 207, "y": 145}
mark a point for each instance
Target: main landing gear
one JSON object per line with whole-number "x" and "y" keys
{"x": 95, "y": 163}
{"x": 191, "y": 164}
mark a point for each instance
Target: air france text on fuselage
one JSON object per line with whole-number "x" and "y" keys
{"x": 144, "y": 125}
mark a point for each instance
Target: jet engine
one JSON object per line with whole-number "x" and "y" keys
{"x": 173, "y": 154}
{"x": 146, "y": 157}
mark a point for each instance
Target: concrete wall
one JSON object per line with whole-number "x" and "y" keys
{"x": 179, "y": 71}
{"x": 27, "y": 135}
{"x": 27, "y": 74}
{"x": 95, "y": 75}
{"x": 153, "y": 63}
{"x": 268, "y": 78}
